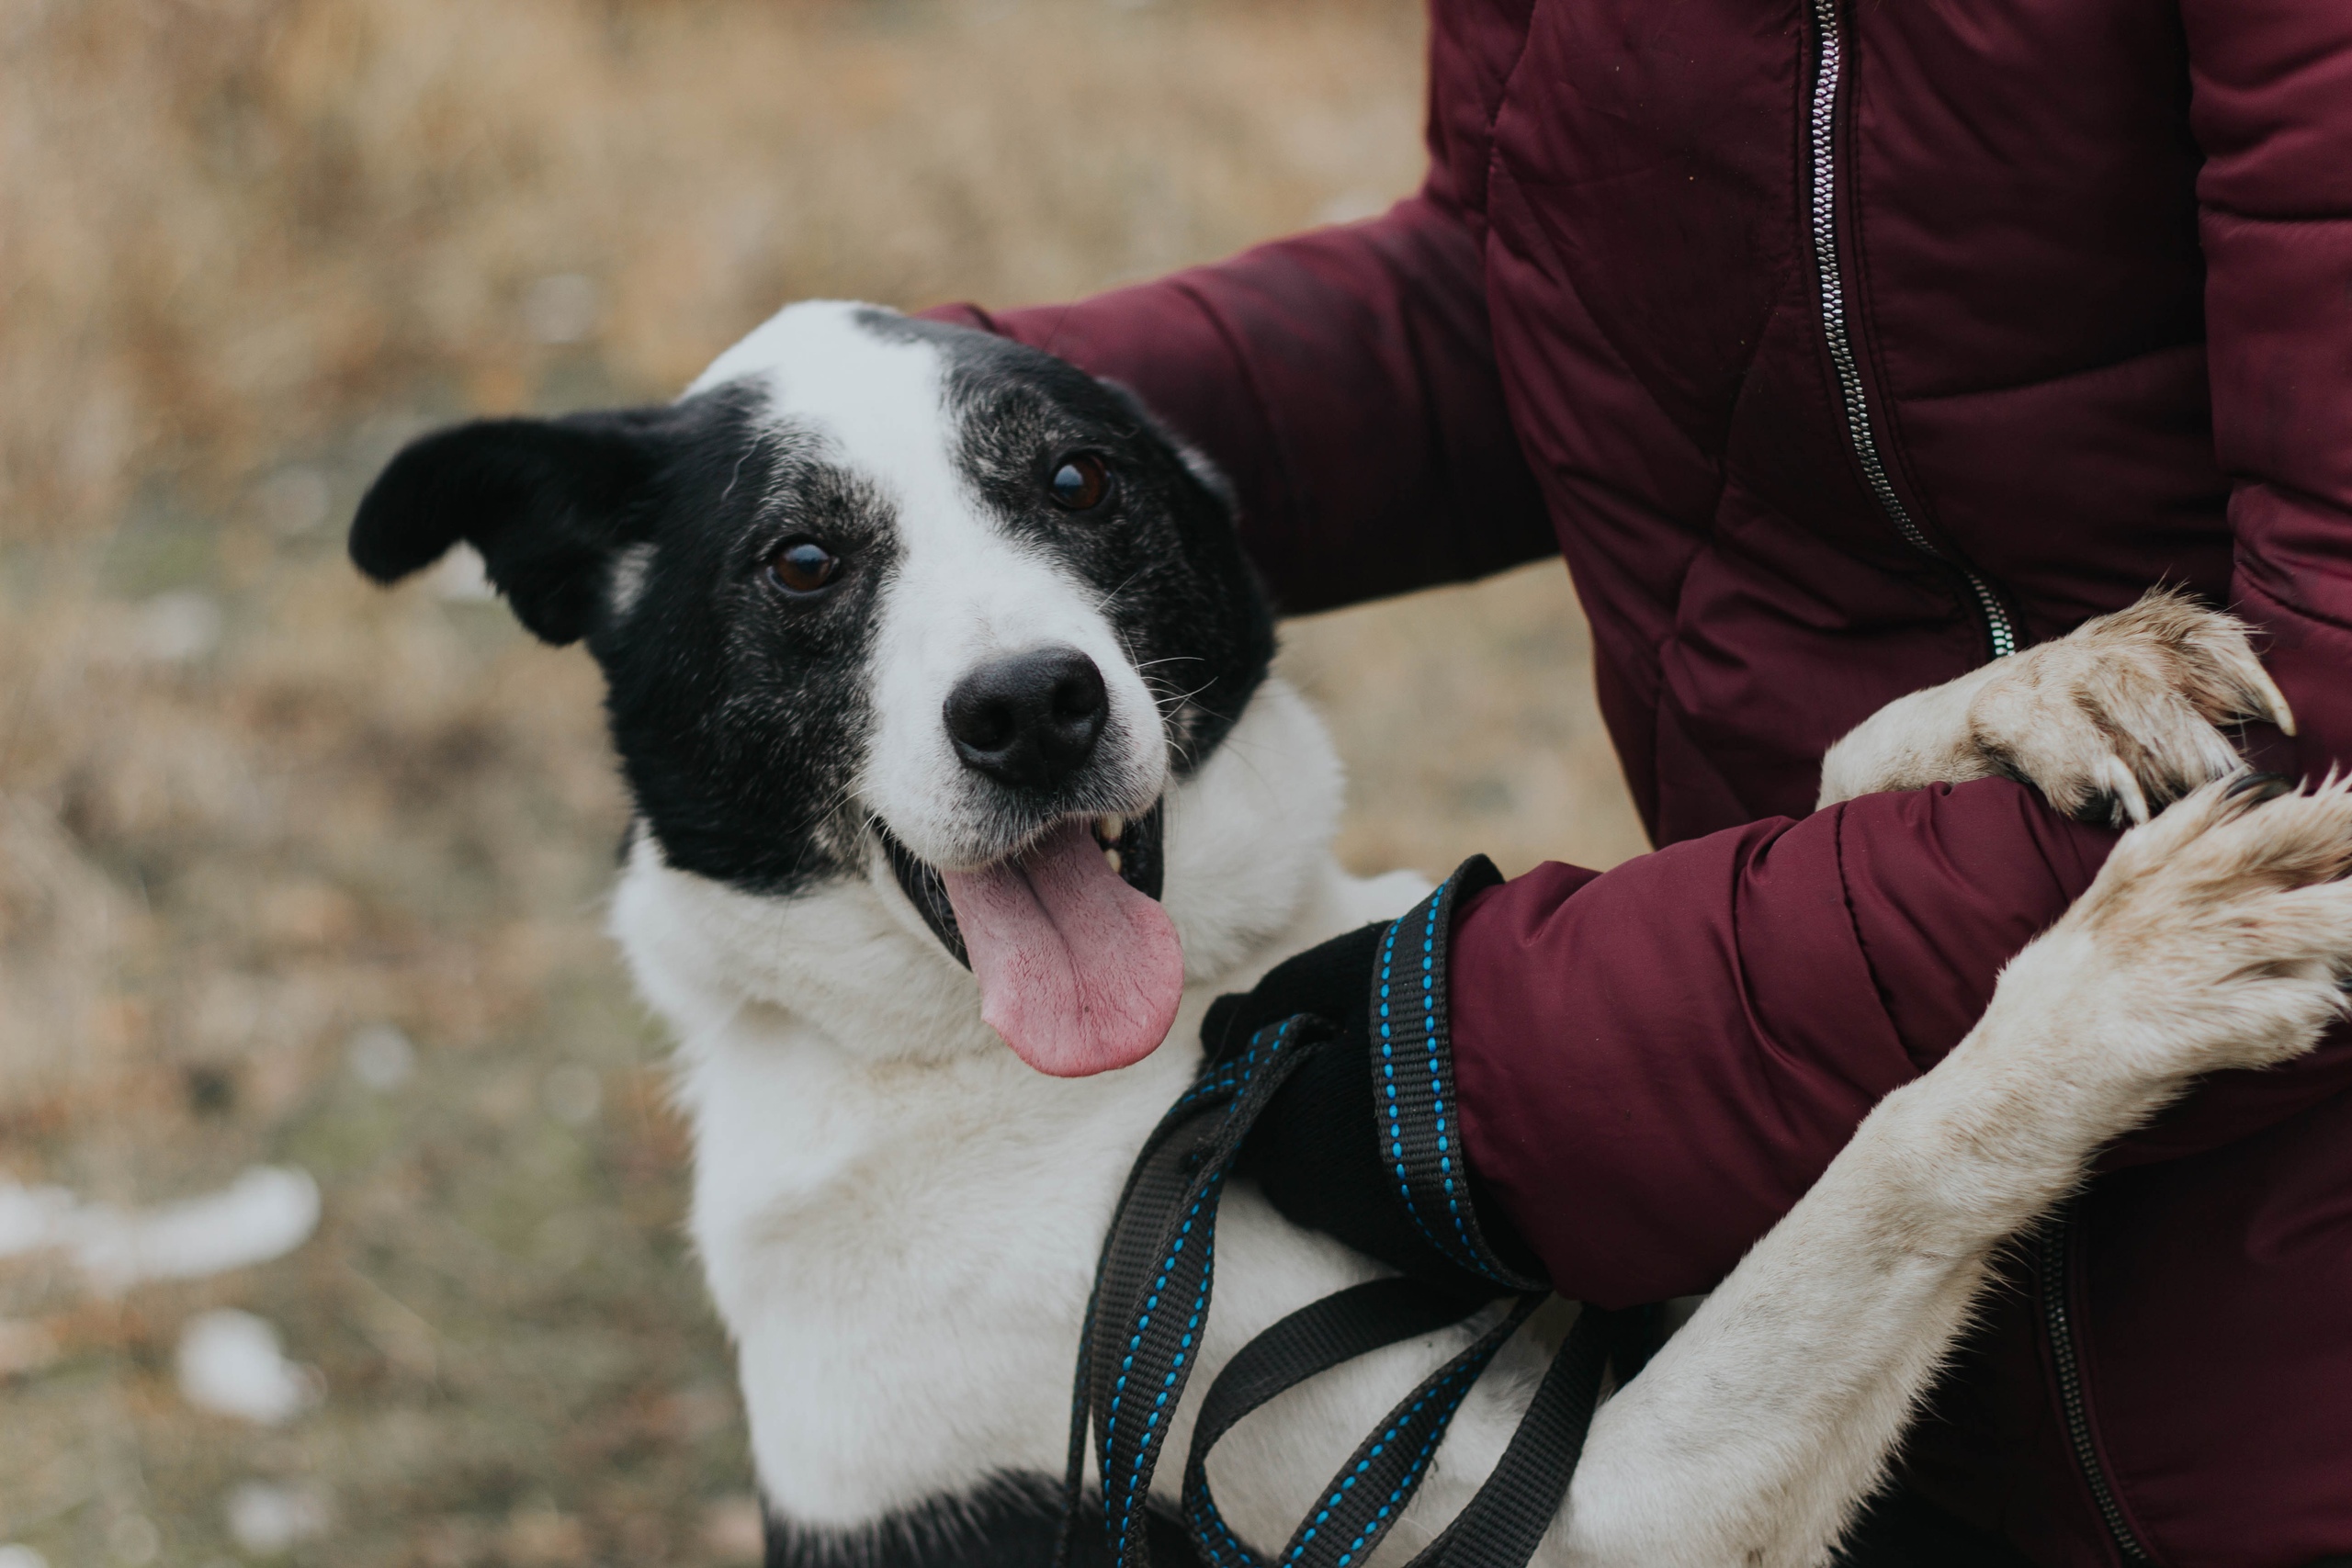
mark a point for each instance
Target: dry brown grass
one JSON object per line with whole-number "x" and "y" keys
{"x": 249, "y": 808}
{"x": 229, "y": 229}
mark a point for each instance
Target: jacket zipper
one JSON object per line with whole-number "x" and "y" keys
{"x": 1830, "y": 49}
{"x": 1999, "y": 633}
{"x": 2056, "y": 1290}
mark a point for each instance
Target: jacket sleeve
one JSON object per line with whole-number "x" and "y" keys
{"x": 1344, "y": 381}
{"x": 1656, "y": 1063}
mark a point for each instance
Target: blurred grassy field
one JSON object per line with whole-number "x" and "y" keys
{"x": 267, "y": 838}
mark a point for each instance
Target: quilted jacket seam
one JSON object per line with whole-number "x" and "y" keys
{"x": 1502, "y": 96}
{"x": 1293, "y": 495}
{"x": 2247, "y": 584}
{"x": 2297, "y": 220}
{"x": 1862, "y": 946}
{"x": 2082, "y": 373}
{"x": 1480, "y": 208}
{"x": 1619, "y": 361}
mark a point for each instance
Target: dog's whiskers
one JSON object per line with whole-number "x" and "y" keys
{"x": 1171, "y": 701}
{"x": 1102, "y": 604}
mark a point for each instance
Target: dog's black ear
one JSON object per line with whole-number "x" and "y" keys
{"x": 547, "y": 501}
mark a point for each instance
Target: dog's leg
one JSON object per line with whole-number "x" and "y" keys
{"x": 2215, "y": 937}
{"x": 2117, "y": 718}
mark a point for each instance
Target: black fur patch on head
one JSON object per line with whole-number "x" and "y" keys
{"x": 1162, "y": 550}
{"x": 738, "y": 711}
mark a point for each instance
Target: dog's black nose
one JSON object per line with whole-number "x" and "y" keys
{"x": 1028, "y": 719}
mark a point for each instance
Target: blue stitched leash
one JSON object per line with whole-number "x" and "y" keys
{"x": 1141, "y": 1335}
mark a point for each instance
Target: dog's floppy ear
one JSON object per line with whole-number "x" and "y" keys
{"x": 547, "y": 501}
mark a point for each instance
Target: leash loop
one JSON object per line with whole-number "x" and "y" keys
{"x": 1369, "y": 1491}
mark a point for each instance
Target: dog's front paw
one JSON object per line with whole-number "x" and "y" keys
{"x": 2112, "y": 722}
{"x": 2122, "y": 717}
{"x": 2219, "y": 935}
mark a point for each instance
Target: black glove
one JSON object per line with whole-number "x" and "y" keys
{"x": 1362, "y": 1142}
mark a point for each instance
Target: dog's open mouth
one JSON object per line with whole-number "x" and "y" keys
{"x": 1079, "y": 965}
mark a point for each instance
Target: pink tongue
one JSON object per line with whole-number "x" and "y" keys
{"x": 1079, "y": 972}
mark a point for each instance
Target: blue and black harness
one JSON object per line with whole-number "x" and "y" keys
{"x": 1152, "y": 1291}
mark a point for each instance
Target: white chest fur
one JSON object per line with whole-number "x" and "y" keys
{"x": 898, "y": 1219}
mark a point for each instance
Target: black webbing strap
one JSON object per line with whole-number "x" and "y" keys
{"x": 1143, "y": 1332}
{"x": 1316, "y": 1337}
{"x": 1503, "y": 1524}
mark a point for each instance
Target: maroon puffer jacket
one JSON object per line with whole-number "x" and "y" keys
{"x": 1839, "y": 352}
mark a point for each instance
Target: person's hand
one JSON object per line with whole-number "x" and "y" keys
{"x": 1349, "y": 1146}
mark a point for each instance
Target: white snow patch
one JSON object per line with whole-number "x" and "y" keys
{"x": 31, "y": 1217}
{"x": 264, "y": 1214}
{"x": 381, "y": 1056}
{"x": 266, "y": 1518}
{"x": 178, "y": 626}
{"x": 230, "y": 1363}
{"x": 13, "y": 1555}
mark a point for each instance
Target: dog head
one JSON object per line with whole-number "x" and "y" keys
{"x": 877, "y": 581}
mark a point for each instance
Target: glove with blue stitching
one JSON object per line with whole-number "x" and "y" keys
{"x": 1364, "y": 1143}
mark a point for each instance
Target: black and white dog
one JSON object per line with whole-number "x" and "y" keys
{"x": 941, "y": 690}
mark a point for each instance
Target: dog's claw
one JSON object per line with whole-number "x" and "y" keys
{"x": 2262, "y": 786}
{"x": 2273, "y": 698}
{"x": 2129, "y": 801}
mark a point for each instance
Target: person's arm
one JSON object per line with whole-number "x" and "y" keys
{"x": 1656, "y": 1063}
{"x": 1646, "y": 1067}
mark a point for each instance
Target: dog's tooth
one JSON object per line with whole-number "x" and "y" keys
{"x": 1109, "y": 828}
{"x": 1111, "y": 858}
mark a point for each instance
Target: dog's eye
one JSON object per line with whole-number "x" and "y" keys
{"x": 803, "y": 566}
{"x": 1081, "y": 483}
